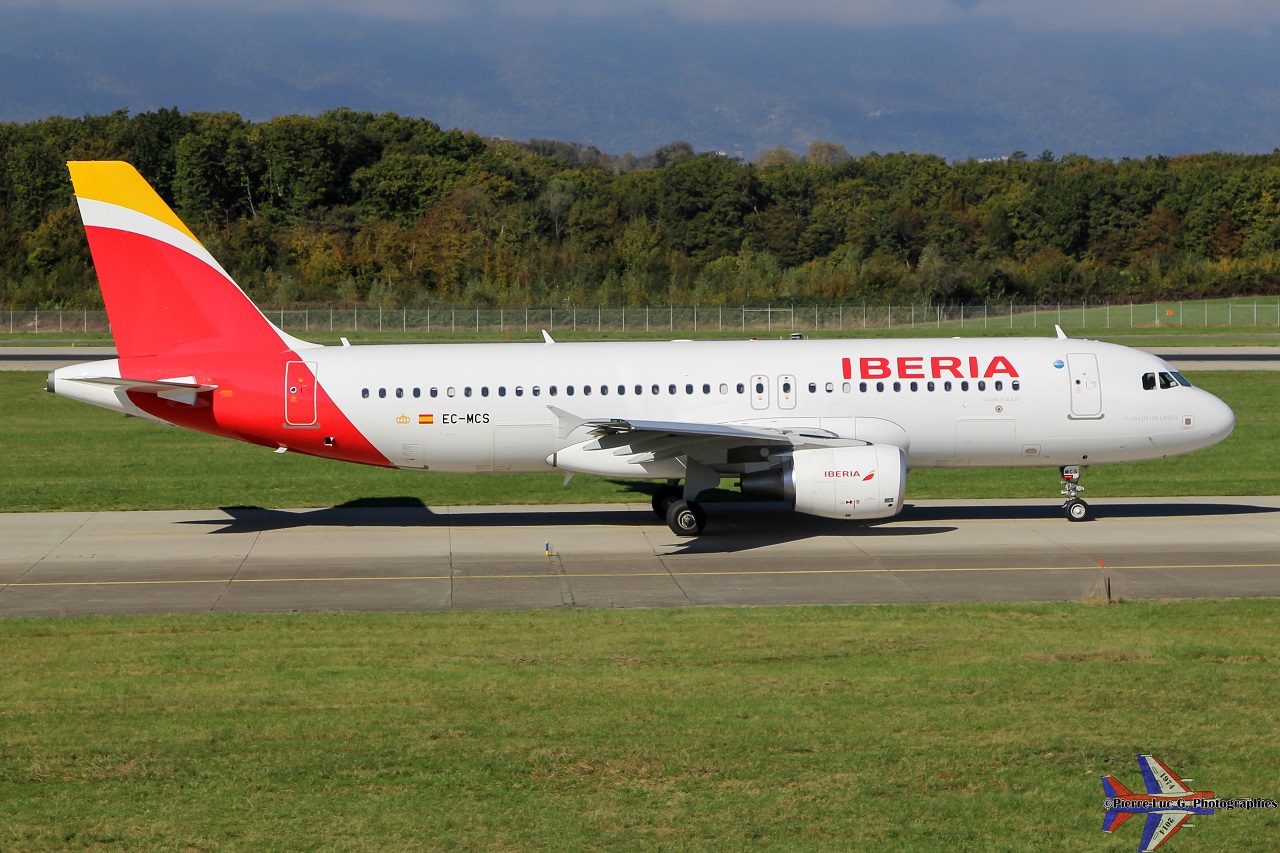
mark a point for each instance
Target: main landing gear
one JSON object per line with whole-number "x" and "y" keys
{"x": 1073, "y": 507}
{"x": 685, "y": 518}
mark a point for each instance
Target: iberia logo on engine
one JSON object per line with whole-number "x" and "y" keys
{"x": 835, "y": 472}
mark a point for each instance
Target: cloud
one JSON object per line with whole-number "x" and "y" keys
{"x": 1131, "y": 16}
{"x": 1125, "y": 16}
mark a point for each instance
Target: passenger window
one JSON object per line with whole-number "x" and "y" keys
{"x": 706, "y": 389}
{"x": 688, "y": 389}
{"x": 551, "y": 391}
{"x": 999, "y": 385}
{"x": 946, "y": 386}
{"x": 364, "y": 392}
{"x": 586, "y": 390}
{"x": 417, "y": 392}
{"x": 656, "y": 390}
{"x": 915, "y": 386}
{"x": 813, "y": 388}
{"x": 435, "y": 392}
{"x": 519, "y": 391}
{"x": 484, "y": 391}
{"x": 535, "y": 391}
{"x": 1015, "y": 384}
{"x": 639, "y": 390}
{"x": 982, "y": 384}
{"x": 964, "y": 386}
{"x": 879, "y": 386}
{"x": 382, "y": 392}
{"x": 897, "y": 386}
{"x": 604, "y": 389}
{"x": 862, "y": 386}
{"x": 847, "y": 388}
{"x": 466, "y": 392}
{"x": 742, "y": 389}
{"x": 724, "y": 387}
{"x": 759, "y": 387}
{"x": 451, "y": 392}
{"x": 568, "y": 390}
{"x": 931, "y": 386}
{"x": 671, "y": 389}
{"x": 502, "y": 390}
{"x": 830, "y": 387}
{"x": 399, "y": 392}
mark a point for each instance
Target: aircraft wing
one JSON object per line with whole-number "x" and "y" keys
{"x": 1160, "y": 828}
{"x": 641, "y": 431}
{"x": 1159, "y": 778}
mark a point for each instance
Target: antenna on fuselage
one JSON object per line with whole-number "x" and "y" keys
{"x": 1058, "y": 329}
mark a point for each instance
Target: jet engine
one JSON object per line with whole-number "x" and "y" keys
{"x": 838, "y": 482}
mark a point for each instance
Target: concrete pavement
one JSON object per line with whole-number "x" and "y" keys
{"x": 460, "y": 558}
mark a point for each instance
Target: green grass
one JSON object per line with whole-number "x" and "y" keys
{"x": 63, "y": 455}
{"x": 979, "y": 727}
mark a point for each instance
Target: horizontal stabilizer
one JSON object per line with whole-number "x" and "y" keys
{"x": 182, "y": 390}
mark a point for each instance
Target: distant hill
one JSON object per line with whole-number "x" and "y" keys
{"x": 959, "y": 92}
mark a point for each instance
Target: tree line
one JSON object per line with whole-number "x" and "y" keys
{"x": 353, "y": 208}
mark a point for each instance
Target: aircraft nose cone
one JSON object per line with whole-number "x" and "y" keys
{"x": 1217, "y": 419}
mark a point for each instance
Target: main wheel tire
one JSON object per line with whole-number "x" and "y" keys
{"x": 1076, "y": 510}
{"x": 685, "y": 519}
{"x": 663, "y": 498}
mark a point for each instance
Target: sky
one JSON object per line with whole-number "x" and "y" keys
{"x": 1097, "y": 16}
{"x": 958, "y": 78}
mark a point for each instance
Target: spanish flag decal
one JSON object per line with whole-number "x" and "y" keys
{"x": 426, "y": 419}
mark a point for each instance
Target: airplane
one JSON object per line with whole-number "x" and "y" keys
{"x": 1167, "y": 803}
{"x": 831, "y": 427}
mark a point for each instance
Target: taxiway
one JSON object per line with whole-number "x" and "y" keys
{"x": 417, "y": 558}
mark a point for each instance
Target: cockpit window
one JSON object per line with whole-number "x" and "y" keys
{"x": 1167, "y": 379}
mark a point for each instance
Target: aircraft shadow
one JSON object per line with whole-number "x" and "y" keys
{"x": 400, "y": 512}
{"x": 732, "y": 527}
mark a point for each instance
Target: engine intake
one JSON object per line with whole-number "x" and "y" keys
{"x": 839, "y": 482}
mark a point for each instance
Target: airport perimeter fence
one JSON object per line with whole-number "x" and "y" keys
{"x": 753, "y": 320}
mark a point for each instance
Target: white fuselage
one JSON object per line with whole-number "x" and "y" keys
{"x": 946, "y": 402}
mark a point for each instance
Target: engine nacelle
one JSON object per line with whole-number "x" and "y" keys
{"x": 839, "y": 482}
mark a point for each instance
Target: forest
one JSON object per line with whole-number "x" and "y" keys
{"x": 356, "y": 209}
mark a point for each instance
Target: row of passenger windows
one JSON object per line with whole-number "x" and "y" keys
{"x": 740, "y": 388}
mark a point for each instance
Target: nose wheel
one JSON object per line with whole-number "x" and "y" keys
{"x": 1073, "y": 508}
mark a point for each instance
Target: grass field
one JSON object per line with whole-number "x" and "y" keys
{"x": 974, "y": 727}
{"x": 62, "y": 455}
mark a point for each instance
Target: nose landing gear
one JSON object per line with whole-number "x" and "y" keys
{"x": 1073, "y": 508}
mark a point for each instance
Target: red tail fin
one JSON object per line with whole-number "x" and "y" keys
{"x": 165, "y": 294}
{"x": 1113, "y": 788}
